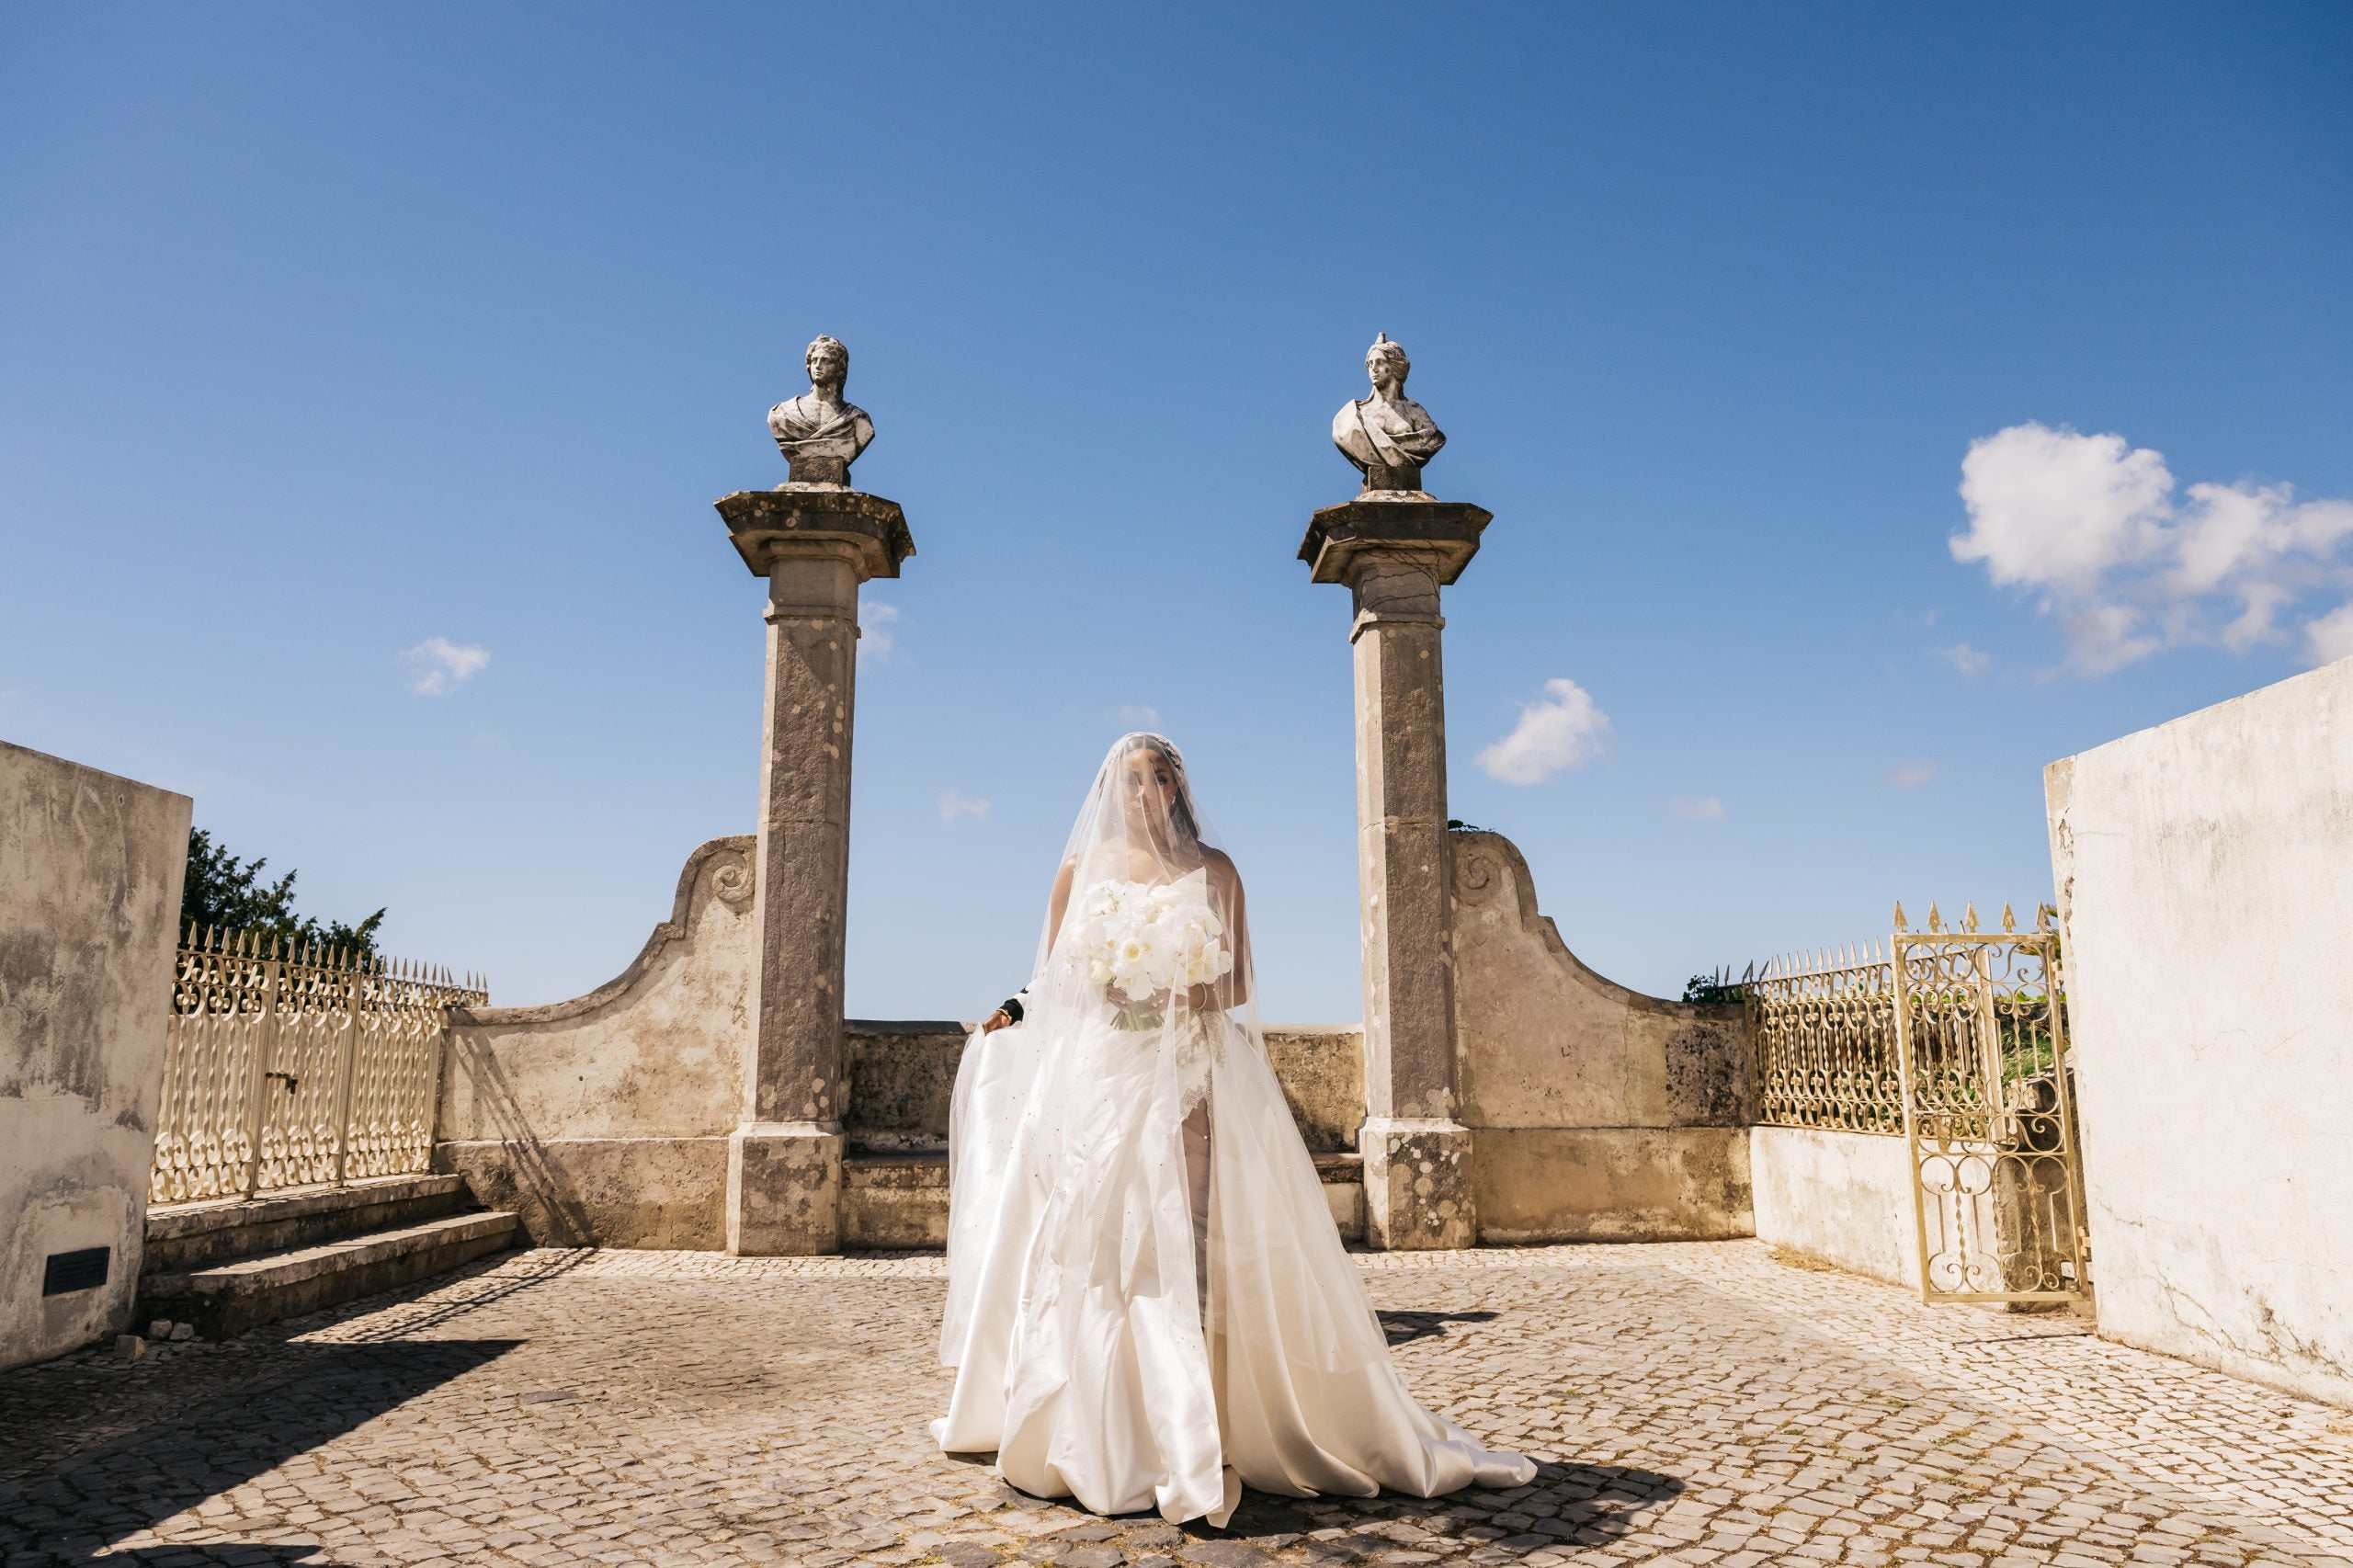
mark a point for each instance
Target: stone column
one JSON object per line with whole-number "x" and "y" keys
{"x": 1394, "y": 555}
{"x": 815, "y": 543}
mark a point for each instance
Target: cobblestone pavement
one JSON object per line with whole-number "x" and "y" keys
{"x": 1699, "y": 1403}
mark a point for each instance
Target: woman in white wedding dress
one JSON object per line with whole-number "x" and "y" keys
{"x": 1148, "y": 1305}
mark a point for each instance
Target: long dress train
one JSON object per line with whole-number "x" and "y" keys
{"x": 1090, "y": 1355}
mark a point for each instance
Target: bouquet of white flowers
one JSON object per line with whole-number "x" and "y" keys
{"x": 1137, "y": 941}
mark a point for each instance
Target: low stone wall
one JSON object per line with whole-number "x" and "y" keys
{"x": 604, "y": 1120}
{"x": 90, "y": 870}
{"x": 2205, "y": 878}
{"x": 1597, "y": 1113}
{"x": 1844, "y": 1198}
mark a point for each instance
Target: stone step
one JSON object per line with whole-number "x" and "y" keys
{"x": 194, "y": 1235}
{"x": 226, "y": 1299}
{"x": 895, "y": 1199}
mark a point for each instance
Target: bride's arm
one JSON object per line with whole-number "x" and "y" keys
{"x": 1057, "y": 905}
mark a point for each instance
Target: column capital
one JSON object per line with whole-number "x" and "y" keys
{"x": 1340, "y": 538}
{"x": 767, "y": 524}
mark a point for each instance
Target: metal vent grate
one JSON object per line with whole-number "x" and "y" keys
{"x": 84, "y": 1270}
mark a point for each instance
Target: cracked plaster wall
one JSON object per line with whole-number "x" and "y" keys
{"x": 90, "y": 870}
{"x": 2205, "y": 877}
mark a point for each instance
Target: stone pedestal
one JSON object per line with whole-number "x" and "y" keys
{"x": 1395, "y": 551}
{"x": 815, "y": 543}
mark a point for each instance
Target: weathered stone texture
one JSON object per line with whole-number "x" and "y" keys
{"x": 615, "y": 1192}
{"x": 1395, "y": 554}
{"x": 2205, "y": 878}
{"x": 814, "y": 544}
{"x": 1598, "y": 1112}
{"x": 784, "y": 1189}
{"x": 1321, "y": 1069}
{"x": 604, "y": 1119}
{"x": 1612, "y": 1183}
{"x": 902, "y": 1079}
{"x": 90, "y": 870}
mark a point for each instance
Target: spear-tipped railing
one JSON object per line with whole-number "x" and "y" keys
{"x": 297, "y": 1064}
{"x": 1824, "y": 1027}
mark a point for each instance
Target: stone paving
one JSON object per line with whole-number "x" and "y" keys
{"x": 1697, "y": 1403}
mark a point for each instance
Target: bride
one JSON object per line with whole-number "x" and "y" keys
{"x": 1148, "y": 1305}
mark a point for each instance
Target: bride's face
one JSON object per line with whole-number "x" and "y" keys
{"x": 1151, "y": 784}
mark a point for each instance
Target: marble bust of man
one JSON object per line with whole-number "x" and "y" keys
{"x": 1388, "y": 436}
{"x": 820, "y": 432}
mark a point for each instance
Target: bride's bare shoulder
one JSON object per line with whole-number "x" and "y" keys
{"x": 1221, "y": 868}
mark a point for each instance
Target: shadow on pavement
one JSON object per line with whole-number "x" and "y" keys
{"x": 1406, "y": 1327}
{"x": 1568, "y": 1506}
{"x": 66, "y": 1496}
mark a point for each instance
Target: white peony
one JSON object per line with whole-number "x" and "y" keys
{"x": 1139, "y": 941}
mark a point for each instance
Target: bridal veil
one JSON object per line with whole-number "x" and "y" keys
{"x": 1149, "y": 1304}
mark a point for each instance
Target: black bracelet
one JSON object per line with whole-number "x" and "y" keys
{"x": 1012, "y": 1008}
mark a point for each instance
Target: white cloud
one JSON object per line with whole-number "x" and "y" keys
{"x": 2091, "y": 525}
{"x": 1139, "y": 716}
{"x": 953, "y": 805}
{"x": 1697, "y": 808}
{"x": 1908, "y": 775}
{"x": 1969, "y": 661}
{"x": 874, "y": 639}
{"x": 1565, "y": 730}
{"x": 438, "y": 666}
{"x": 2330, "y": 637}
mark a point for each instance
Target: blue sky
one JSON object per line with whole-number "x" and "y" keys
{"x": 329, "y": 332}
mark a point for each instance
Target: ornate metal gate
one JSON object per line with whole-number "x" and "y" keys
{"x": 1981, "y": 1036}
{"x": 1956, "y": 1041}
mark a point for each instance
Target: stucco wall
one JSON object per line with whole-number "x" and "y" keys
{"x": 90, "y": 870}
{"x": 2205, "y": 877}
{"x": 1597, "y": 1113}
{"x": 606, "y": 1119}
{"x": 1845, "y": 1198}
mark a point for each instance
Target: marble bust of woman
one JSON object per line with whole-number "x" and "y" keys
{"x": 1388, "y": 436}
{"x": 820, "y": 432}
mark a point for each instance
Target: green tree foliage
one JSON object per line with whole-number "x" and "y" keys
{"x": 1712, "y": 988}
{"x": 223, "y": 890}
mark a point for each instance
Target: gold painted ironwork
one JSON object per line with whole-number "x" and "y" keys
{"x": 1955, "y": 1041}
{"x": 1989, "y": 1115}
{"x": 296, "y": 1067}
{"x": 1823, "y": 1025}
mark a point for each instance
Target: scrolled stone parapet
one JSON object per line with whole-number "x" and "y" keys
{"x": 764, "y": 524}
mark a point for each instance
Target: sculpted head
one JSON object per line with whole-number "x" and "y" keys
{"x": 828, "y": 362}
{"x": 1386, "y": 363}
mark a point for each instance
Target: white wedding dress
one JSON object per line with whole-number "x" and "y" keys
{"x": 1125, "y": 1332}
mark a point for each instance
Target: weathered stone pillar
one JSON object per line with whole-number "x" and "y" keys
{"x": 815, "y": 543}
{"x": 1395, "y": 551}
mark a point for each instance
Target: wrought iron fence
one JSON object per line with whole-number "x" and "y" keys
{"x": 1823, "y": 1025}
{"x": 1956, "y": 1041}
{"x": 296, "y": 1067}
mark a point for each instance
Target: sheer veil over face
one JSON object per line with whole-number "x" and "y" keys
{"x": 1141, "y": 828}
